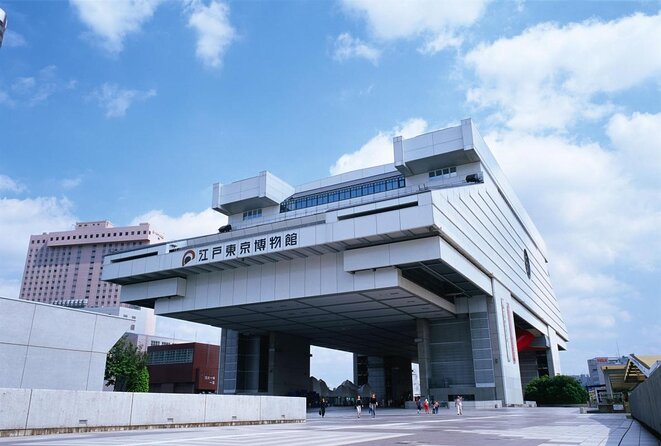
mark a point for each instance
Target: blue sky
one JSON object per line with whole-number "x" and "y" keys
{"x": 130, "y": 110}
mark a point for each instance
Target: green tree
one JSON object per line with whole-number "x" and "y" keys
{"x": 126, "y": 368}
{"x": 556, "y": 390}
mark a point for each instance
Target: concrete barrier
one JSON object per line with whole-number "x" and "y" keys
{"x": 38, "y": 411}
{"x": 645, "y": 402}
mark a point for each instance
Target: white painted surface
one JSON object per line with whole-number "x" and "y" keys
{"x": 43, "y": 409}
{"x": 47, "y": 347}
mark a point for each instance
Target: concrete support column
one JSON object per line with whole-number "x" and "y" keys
{"x": 553, "y": 355}
{"x": 229, "y": 347}
{"x": 249, "y": 364}
{"x": 506, "y": 359}
{"x": 289, "y": 365}
{"x": 424, "y": 355}
{"x": 389, "y": 377}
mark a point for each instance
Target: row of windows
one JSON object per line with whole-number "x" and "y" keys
{"x": 249, "y": 215}
{"x": 73, "y": 237}
{"x": 447, "y": 172}
{"x": 358, "y": 190}
{"x": 179, "y": 356}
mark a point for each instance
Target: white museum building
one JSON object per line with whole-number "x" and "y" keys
{"x": 429, "y": 260}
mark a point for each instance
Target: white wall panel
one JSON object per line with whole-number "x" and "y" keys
{"x": 254, "y": 284}
{"x": 240, "y": 286}
{"x": 313, "y": 276}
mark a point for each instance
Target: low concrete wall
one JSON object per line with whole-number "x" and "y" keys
{"x": 37, "y": 411}
{"x": 645, "y": 402}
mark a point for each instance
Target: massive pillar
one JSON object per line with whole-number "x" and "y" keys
{"x": 389, "y": 377}
{"x": 243, "y": 363}
{"x": 553, "y": 356}
{"x": 274, "y": 364}
{"x": 506, "y": 355}
{"x": 424, "y": 358}
{"x": 289, "y": 365}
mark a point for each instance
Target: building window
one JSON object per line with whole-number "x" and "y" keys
{"x": 249, "y": 215}
{"x": 447, "y": 172}
{"x": 526, "y": 262}
{"x": 178, "y": 356}
{"x": 346, "y": 193}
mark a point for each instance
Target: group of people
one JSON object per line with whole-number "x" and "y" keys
{"x": 373, "y": 403}
{"x": 424, "y": 405}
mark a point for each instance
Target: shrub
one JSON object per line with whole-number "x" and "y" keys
{"x": 556, "y": 390}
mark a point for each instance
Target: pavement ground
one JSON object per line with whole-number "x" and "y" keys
{"x": 390, "y": 427}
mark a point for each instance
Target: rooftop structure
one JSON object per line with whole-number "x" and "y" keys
{"x": 431, "y": 259}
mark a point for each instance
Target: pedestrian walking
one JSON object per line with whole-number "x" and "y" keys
{"x": 419, "y": 404}
{"x": 426, "y": 406}
{"x": 458, "y": 403}
{"x": 373, "y": 404}
{"x": 359, "y": 406}
{"x": 322, "y": 408}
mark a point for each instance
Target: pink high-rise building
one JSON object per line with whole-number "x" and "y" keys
{"x": 64, "y": 268}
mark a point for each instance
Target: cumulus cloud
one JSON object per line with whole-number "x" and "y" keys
{"x": 116, "y": 100}
{"x": 347, "y": 47}
{"x": 534, "y": 90}
{"x": 8, "y": 184}
{"x": 21, "y": 218}
{"x": 214, "y": 30}
{"x": 583, "y": 198}
{"x": 12, "y": 39}
{"x": 33, "y": 89}
{"x": 434, "y": 21}
{"x": 597, "y": 218}
{"x": 378, "y": 150}
{"x": 71, "y": 183}
{"x": 440, "y": 42}
{"x": 637, "y": 141}
{"x": 113, "y": 21}
{"x": 189, "y": 224}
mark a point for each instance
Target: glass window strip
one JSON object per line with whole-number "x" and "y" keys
{"x": 355, "y": 191}
{"x": 446, "y": 172}
{"x": 254, "y": 213}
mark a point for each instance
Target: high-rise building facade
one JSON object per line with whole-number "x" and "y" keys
{"x": 64, "y": 268}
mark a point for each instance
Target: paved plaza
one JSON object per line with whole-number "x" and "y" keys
{"x": 525, "y": 427}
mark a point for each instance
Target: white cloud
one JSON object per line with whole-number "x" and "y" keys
{"x": 7, "y": 184}
{"x": 21, "y": 218}
{"x": 347, "y": 47}
{"x": 550, "y": 76}
{"x": 440, "y": 42}
{"x": 582, "y": 198}
{"x": 378, "y": 150}
{"x": 433, "y": 20}
{"x": 32, "y": 90}
{"x": 638, "y": 141}
{"x": 189, "y": 224}
{"x": 12, "y": 39}
{"x": 214, "y": 31}
{"x": 71, "y": 183}
{"x": 599, "y": 222}
{"x": 116, "y": 101}
{"x": 113, "y": 21}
